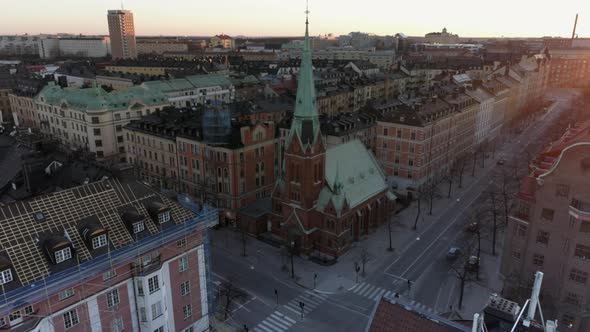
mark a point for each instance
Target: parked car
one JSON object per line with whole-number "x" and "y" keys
{"x": 501, "y": 162}
{"x": 453, "y": 253}
{"x": 472, "y": 228}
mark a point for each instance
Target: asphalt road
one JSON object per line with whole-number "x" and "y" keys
{"x": 421, "y": 261}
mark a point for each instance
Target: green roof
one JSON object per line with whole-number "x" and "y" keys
{"x": 96, "y": 98}
{"x": 189, "y": 82}
{"x": 356, "y": 171}
{"x": 306, "y": 123}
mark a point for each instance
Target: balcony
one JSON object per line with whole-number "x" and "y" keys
{"x": 580, "y": 209}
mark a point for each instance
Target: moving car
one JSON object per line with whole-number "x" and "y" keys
{"x": 472, "y": 228}
{"x": 453, "y": 253}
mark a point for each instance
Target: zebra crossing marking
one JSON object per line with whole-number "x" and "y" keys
{"x": 275, "y": 322}
{"x": 369, "y": 291}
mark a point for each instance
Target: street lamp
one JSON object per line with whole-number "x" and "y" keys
{"x": 315, "y": 279}
{"x": 292, "y": 268}
{"x": 357, "y": 268}
{"x": 277, "y": 295}
{"x": 301, "y": 305}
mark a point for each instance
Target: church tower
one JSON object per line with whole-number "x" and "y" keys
{"x": 305, "y": 151}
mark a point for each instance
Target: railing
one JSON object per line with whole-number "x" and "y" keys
{"x": 580, "y": 205}
{"x": 37, "y": 291}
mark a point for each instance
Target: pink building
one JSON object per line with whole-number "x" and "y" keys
{"x": 108, "y": 256}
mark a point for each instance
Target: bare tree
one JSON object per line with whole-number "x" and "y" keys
{"x": 505, "y": 190}
{"x": 419, "y": 196}
{"x": 432, "y": 191}
{"x": 492, "y": 210}
{"x": 364, "y": 257}
{"x": 242, "y": 237}
{"x": 228, "y": 293}
{"x": 461, "y": 271}
{"x": 461, "y": 163}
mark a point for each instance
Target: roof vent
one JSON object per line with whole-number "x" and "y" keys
{"x": 39, "y": 216}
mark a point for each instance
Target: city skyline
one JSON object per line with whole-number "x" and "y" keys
{"x": 268, "y": 18}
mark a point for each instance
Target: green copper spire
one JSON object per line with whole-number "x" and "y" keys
{"x": 306, "y": 118}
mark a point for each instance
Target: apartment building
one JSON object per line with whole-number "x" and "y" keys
{"x": 20, "y": 45}
{"x": 74, "y": 46}
{"x": 419, "y": 142}
{"x": 548, "y": 230}
{"x": 194, "y": 90}
{"x": 222, "y": 41}
{"x": 227, "y": 165}
{"x": 111, "y": 255}
{"x": 122, "y": 34}
{"x": 5, "y": 105}
{"x": 92, "y": 119}
{"x": 155, "y": 46}
{"x": 570, "y": 68}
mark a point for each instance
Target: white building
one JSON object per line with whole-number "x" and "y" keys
{"x": 194, "y": 90}
{"x": 19, "y": 45}
{"x": 78, "y": 46}
{"x": 483, "y": 118}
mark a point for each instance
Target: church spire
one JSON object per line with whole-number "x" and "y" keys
{"x": 306, "y": 122}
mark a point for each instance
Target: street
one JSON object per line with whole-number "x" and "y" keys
{"x": 419, "y": 257}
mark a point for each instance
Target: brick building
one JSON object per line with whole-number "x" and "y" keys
{"x": 416, "y": 143}
{"x": 325, "y": 198}
{"x": 111, "y": 255}
{"x": 172, "y": 149}
{"x": 549, "y": 229}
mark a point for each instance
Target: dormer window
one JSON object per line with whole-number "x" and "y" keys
{"x": 5, "y": 276}
{"x": 63, "y": 255}
{"x": 99, "y": 241}
{"x": 164, "y": 217}
{"x": 138, "y": 227}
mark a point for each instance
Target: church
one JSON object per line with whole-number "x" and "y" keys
{"x": 325, "y": 199}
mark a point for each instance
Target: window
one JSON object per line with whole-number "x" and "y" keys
{"x": 189, "y": 329}
{"x": 413, "y": 136}
{"x": 14, "y": 316}
{"x": 582, "y": 251}
{"x": 547, "y": 214}
{"x": 66, "y": 294}
{"x": 384, "y": 131}
{"x": 399, "y": 134}
{"x": 96, "y": 131}
{"x": 138, "y": 227}
{"x": 28, "y": 310}
{"x": 117, "y": 325}
{"x": 185, "y": 288}
{"x": 187, "y": 310}
{"x": 410, "y": 162}
{"x": 139, "y": 284}
{"x": 578, "y": 276}
{"x": 142, "y": 314}
{"x": 183, "y": 263}
{"x": 2, "y": 322}
{"x": 164, "y": 217}
{"x": 109, "y": 275}
{"x": 112, "y": 298}
{"x": 156, "y": 310}
{"x": 538, "y": 260}
{"x": 159, "y": 329}
{"x": 98, "y": 143}
{"x": 99, "y": 241}
{"x": 71, "y": 318}
{"x": 520, "y": 230}
{"x": 153, "y": 284}
{"x": 5, "y": 276}
{"x": 562, "y": 190}
{"x": 543, "y": 237}
{"x": 95, "y": 119}
{"x": 63, "y": 255}
{"x": 99, "y": 154}
{"x": 181, "y": 243}
{"x": 585, "y": 227}
{"x": 572, "y": 298}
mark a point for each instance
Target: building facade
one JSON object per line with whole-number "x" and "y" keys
{"x": 549, "y": 226}
{"x": 122, "y": 33}
{"x": 96, "y": 265}
{"x": 194, "y": 90}
{"x": 222, "y": 41}
{"x": 92, "y": 119}
{"x": 570, "y": 68}
{"x": 20, "y": 45}
{"x": 160, "y": 47}
{"x": 75, "y": 46}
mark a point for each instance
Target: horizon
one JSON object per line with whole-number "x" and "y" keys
{"x": 253, "y": 19}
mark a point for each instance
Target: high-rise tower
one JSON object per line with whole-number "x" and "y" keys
{"x": 122, "y": 32}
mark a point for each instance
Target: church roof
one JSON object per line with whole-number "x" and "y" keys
{"x": 357, "y": 172}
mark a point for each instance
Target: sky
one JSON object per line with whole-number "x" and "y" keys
{"x": 469, "y": 18}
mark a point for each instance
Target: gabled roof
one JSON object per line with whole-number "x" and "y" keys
{"x": 359, "y": 174}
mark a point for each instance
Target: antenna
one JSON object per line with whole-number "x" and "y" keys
{"x": 122, "y": 5}
{"x": 575, "y": 25}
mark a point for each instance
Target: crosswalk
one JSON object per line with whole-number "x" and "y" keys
{"x": 369, "y": 291}
{"x": 276, "y": 322}
{"x": 279, "y": 322}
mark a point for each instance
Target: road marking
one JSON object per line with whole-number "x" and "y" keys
{"x": 260, "y": 327}
{"x": 270, "y": 326}
{"x": 377, "y": 290}
{"x": 376, "y": 297}
{"x": 367, "y": 291}
{"x": 297, "y": 312}
{"x": 287, "y": 318}
{"x": 278, "y": 321}
{"x": 444, "y": 231}
{"x": 359, "y": 287}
